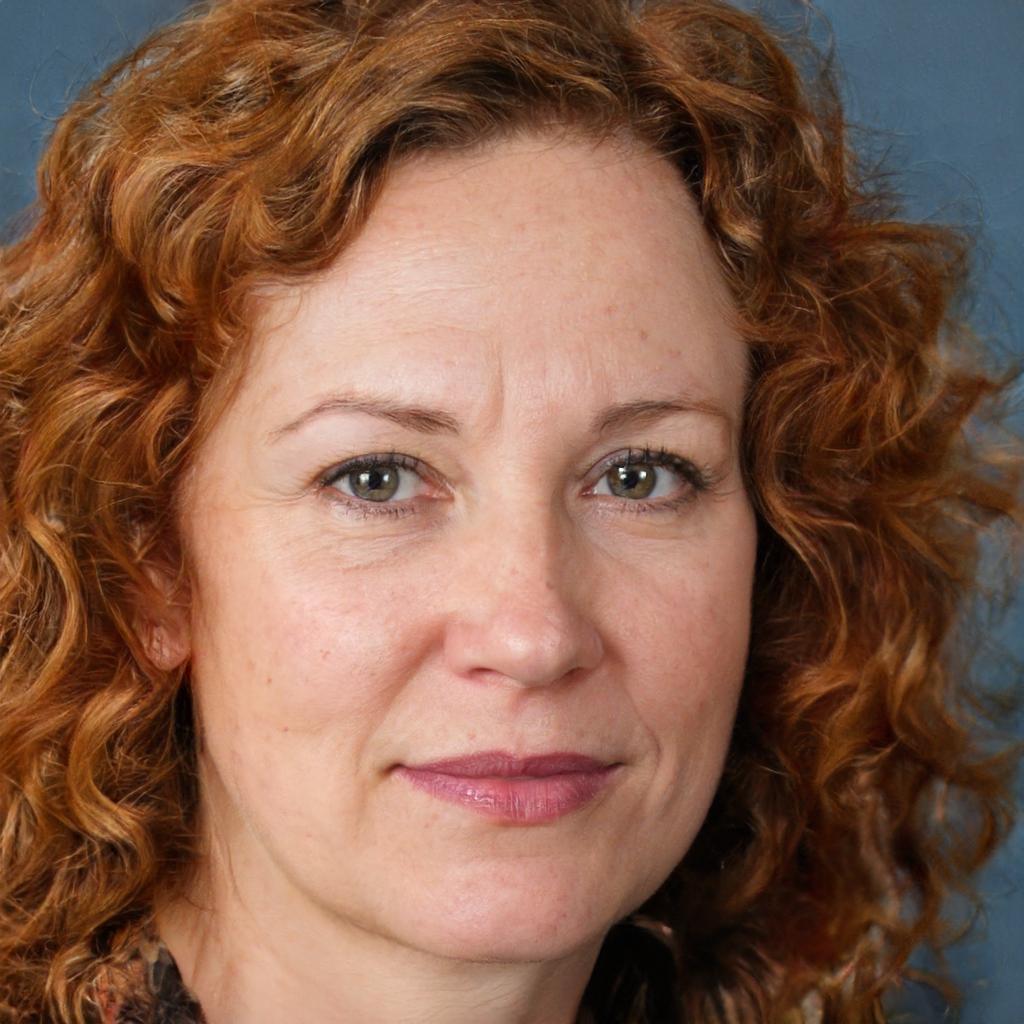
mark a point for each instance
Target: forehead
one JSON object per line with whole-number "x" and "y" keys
{"x": 580, "y": 263}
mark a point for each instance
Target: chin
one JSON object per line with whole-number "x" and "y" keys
{"x": 514, "y": 924}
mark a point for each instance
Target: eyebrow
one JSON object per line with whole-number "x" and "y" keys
{"x": 644, "y": 411}
{"x": 424, "y": 420}
{"x": 412, "y": 417}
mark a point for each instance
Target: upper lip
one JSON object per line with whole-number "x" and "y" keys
{"x": 501, "y": 764}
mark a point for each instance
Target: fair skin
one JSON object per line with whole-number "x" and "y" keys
{"x": 518, "y": 601}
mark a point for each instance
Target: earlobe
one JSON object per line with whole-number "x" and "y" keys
{"x": 167, "y": 644}
{"x": 165, "y": 627}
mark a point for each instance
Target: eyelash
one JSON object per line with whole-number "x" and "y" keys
{"x": 700, "y": 480}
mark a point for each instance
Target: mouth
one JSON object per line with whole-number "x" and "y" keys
{"x": 516, "y": 790}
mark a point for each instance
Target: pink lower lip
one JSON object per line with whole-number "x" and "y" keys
{"x": 521, "y": 801}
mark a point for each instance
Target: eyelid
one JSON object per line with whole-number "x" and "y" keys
{"x": 697, "y": 479}
{"x": 352, "y": 506}
{"x": 647, "y": 455}
{"x": 340, "y": 469}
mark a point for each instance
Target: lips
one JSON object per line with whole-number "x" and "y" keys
{"x": 498, "y": 764}
{"x": 504, "y": 787}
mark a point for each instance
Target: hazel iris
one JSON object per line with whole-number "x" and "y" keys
{"x": 632, "y": 481}
{"x": 374, "y": 484}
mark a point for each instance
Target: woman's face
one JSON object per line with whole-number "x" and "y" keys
{"x": 553, "y": 554}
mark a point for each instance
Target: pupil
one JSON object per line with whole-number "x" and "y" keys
{"x": 375, "y": 484}
{"x": 633, "y": 478}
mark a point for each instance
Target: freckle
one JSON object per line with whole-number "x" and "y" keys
{"x": 268, "y": 680}
{"x": 643, "y": 334}
{"x": 323, "y": 655}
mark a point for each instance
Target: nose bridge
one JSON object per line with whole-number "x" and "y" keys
{"x": 518, "y": 607}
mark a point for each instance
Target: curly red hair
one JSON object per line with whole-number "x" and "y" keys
{"x": 248, "y": 142}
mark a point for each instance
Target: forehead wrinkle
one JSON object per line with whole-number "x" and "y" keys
{"x": 492, "y": 412}
{"x": 405, "y": 271}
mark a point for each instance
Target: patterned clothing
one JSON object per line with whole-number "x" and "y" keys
{"x": 149, "y": 990}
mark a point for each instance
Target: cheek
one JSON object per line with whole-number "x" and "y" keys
{"x": 686, "y": 656}
{"x": 692, "y": 651}
{"x": 687, "y": 626}
{"x": 294, "y": 682}
{"x": 297, "y": 637}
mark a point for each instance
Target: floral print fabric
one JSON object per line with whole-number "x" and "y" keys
{"x": 149, "y": 990}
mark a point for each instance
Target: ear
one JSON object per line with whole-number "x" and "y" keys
{"x": 164, "y": 621}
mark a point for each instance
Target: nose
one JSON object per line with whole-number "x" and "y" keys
{"x": 517, "y": 611}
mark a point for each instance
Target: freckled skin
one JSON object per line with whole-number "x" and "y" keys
{"x": 517, "y": 605}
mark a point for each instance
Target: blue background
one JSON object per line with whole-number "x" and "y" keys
{"x": 941, "y": 79}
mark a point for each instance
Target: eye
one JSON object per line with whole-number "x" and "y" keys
{"x": 375, "y": 479}
{"x": 652, "y": 479}
{"x": 648, "y": 481}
